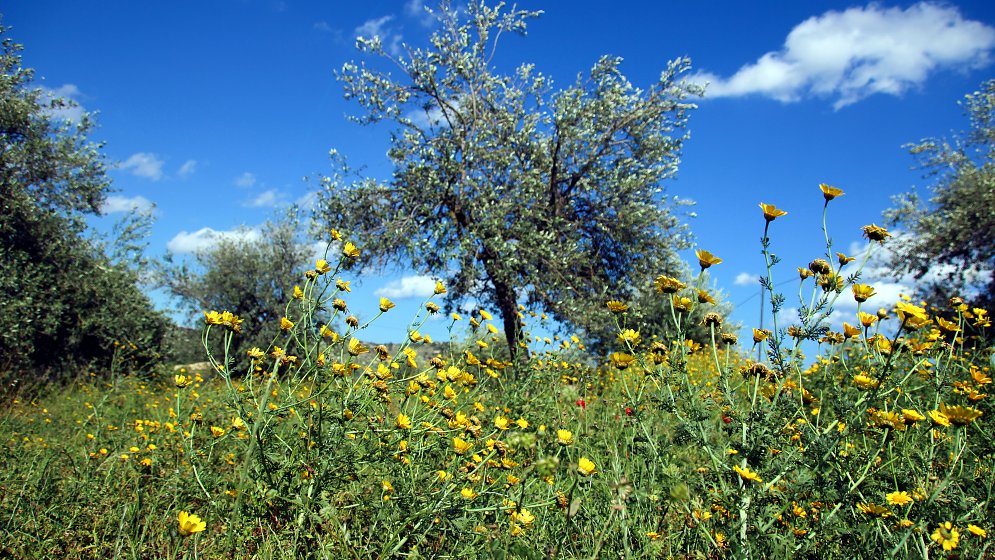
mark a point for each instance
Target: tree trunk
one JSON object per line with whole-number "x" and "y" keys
{"x": 504, "y": 296}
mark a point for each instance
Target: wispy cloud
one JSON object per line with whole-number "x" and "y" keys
{"x": 205, "y": 238}
{"x": 265, "y": 199}
{"x": 245, "y": 180}
{"x": 116, "y": 204}
{"x": 188, "y": 168}
{"x": 746, "y": 279}
{"x": 380, "y": 28}
{"x": 416, "y": 9}
{"x": 70, "y": 109}
{"x": 856, "y": 53}
{"x": 143, "y": 164}
{"x": 408, "y": 287}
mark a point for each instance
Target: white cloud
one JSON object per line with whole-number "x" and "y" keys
{"x": 379, "y": 28}
{"x": 416, "y": 9}
{"x": 852, "y": 54}
{"x": 115, "y": 204}
{"x": 188, "y": 168}
{"x": 143, "y": 164}
{"x": 323, "y": 27}
{"x": 205, "y": 238}
{"x": 408, "y": 287}
{"x": 265, "y": 199}
{"x": 245, "y": 180}
{"x": 746, "y": 279}
{"x": 70, "y": 109}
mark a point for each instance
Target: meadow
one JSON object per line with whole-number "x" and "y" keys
{"x": 877, "y": 445}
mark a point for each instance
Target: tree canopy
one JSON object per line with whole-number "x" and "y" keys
{"x": 510, "y": 191}
{"x": 66, "y": 303}
{"x": 950, "y": 245}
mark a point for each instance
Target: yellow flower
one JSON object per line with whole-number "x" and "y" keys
{"x": 182, "y": 380}
{"x": 864, "y": 381}
{"x": 874, "y": 509}
{"x": 760, "y": 335}
{"x": 830, "y": 192}
{"x": 850, "y": 331}
{"x": 771, "y": 212}
{"x": 298, "y": 292}
{"x": 876, "y": 233}
{"x": 461, "y": 445}
{"x": 621, "y": 360}
{"x": 190, "y": 524}
{"x": 217, "y": 431}
{"x": 746, "y": 474}
{"x": 322, "y": 266}
{"x": 403, "y": 421}
{"x": 960, "y": 415}
{"x": 439, "y": 288}
{"x": 862, "y": 292}
{"x": 255, "y": 353}
{"x": 867, "y": 319}
{"x": 939, "y": 418}
{"x": 899, "y": 498}
{"x": 502, "y": 423}
{"x": 911, "y": 415}
{"x": 485, "y": 315}
{"x": 946, "y": 535}
{"x": 343, "y": 285}
{"x": 668, "y": 285}
{"x": 386, "y": 304}
{"x": 356, "y": 347}
{"x": 456, "y": 317}
{"x": 630, "y": 337}
{"x": 286, "y": 324}
{"x": 617, "y": 306}
{"x": 977, "y": 531}
{"x": 586, "y": 467}
{"x": 844, "y": 260}
{"x": 706, "y": 259}
{"x": 468, "y": 493}
{"x": 350, "y": 250}
{"x": 564, "y": 437}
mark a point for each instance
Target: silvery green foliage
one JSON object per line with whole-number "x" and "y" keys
{"x": 950, "y": 246}
{"x": 509, "y": 190}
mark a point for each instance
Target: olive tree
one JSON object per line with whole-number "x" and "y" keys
{"x": 954, "y": 230}
{"x": 510, "y": 191}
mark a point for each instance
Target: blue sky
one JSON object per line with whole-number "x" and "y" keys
{"x": 215, "y": 111}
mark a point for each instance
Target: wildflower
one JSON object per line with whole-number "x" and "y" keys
{"x": 830, "y": 192}
{"x": 586, "y": 467}
{"x": 343, "y": 285}
{"x": 322, "y": 266}
{"x": 705, "y": 297}
{"x": 403, "y": 421}
{"x": 712, "y": 319}
{"x": 352, "y": 321}
{"x": 946, "y": 535}
{"x": 899, "y": 498}
{"x": 564, "y": 437}
{"x": 432, "y": 307}
{"x": 706, "y": 259}
{"x": 468, "y": 493}
{"x": 849, "y": 330}
{"x": 286, "y": 324}
{"x": 217, "y": 431}
{"x": 960, "y": 415}
{"x": 885, "y": 419}
{"x": 182, "y": 380}
{"x": 255, "y": 353}
{"x": 976, "y": 531}
{"x": 844, "y": 260}
{"x": 629, "y": 337}
{"x": 771, "y": 212}
{"x": 386, "y": 304}
{"x": 502, "y": 423}
{"x": 350, "y": 250}
{"x": 760, "y": 335}
{"x": 912, "y": 416}
{"x": 456, "y": 317}
{"x": 939, "y": 418}
{"x": 862, "y": 292}
{"x": 874, "y": 510}
{"x": 820, "y": 266}
{"x": 298, "y": 292}
{"x": 190, "y": 524}
{"x": 439, "y": 288}
{"x": 617, "y": 306}
{"x": 746, "y": 474}
{"x": 356, "y": 347}
{"x": 866, "y": 319}
{"x": 876, "y": 233}
{"x": 865, "y": 382}
{"x": 668, "y": 285}
{"x": 621, "y": 360}
{"x": 461, "y": 445}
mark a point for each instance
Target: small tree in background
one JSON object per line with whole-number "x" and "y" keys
{"x": 250, "y": 276}
{"x": 954, "y": 231}
{"x": 511, "y": 192}
{"x": 68, "y": 301}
